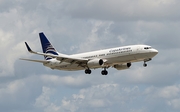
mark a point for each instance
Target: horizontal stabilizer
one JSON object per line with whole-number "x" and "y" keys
{"x": 40, "y": 61}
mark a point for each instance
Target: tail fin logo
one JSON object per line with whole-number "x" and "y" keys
{"x": 47, "y": 47}
{"x": 50, "y": 50}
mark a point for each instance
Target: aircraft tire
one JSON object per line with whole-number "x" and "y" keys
{"x": 104, "y": 72}
{"x": 145, "y": 65}
{"x": 87, "y": 71}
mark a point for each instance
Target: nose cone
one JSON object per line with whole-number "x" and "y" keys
{"x": 154, "y": 51}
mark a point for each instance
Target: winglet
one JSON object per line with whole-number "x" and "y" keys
{"x": 28, "y": 48}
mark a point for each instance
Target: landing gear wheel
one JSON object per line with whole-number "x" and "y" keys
{"x": 145, "y": 65}
{"x": 104, "y": 72}
{"x": 87, "y": 71}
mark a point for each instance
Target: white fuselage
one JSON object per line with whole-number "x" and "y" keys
{"x": 111, "y": 57}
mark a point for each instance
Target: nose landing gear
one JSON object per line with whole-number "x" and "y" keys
{"x": 146, "y": 60}
{"x": 145, "y": 64}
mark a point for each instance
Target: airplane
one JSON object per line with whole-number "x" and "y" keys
{"x": 119, "y": 58}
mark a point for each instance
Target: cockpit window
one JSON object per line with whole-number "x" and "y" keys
{"x": 147, "y": 47}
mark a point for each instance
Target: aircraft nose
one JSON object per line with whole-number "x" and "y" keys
{"x": 155, "y": 51}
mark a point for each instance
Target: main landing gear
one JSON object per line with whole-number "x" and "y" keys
{"x": 103, "y": 72}
{"x": 87, "y": 71}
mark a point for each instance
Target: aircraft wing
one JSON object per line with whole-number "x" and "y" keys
{"x": 40, "y": 61}
{"x": 63, "y": 58}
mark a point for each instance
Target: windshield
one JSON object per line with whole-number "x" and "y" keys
{"x": 147, "y": 47}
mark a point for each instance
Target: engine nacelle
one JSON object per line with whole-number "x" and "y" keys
{"x": 95, "y": 63}
{"x": 122, "y": 66}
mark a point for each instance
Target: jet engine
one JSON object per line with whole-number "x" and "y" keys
{"x": 95, "y": 63}
{"x": 122, "y": 66}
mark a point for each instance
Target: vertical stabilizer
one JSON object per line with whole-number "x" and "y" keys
{"x": 47, "y": 46}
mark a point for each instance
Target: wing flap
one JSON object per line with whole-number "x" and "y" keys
{"x": 71, "y": 60}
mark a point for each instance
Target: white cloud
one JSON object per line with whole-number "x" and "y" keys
{"x": 6, "y": 43}
{"x": 168, "y": 92}
{"x": 169, "y": 95}
{"x": 101, "y": 97}
{"x": 71, "y": 81}
{"x": 119, "y": 10}
{"x": 98, "y": 36}
{"x": 19, "y": 94}
{"x": 175, "y": 103}
{"x": 42, "y": 100}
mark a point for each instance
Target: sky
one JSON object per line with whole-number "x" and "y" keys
{"x": 75, "y": 26}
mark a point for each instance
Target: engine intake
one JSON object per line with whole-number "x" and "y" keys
{"x": 122, "y": 66}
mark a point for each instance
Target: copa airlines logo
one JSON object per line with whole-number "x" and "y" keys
{"x": 50, "y": 50}
{"x": 120, "y": 49}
